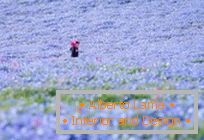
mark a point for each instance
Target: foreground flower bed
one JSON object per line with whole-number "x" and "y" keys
{"x": 30, "y": 114}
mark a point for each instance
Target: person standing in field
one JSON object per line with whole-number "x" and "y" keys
{"x": 74, "y": 48}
